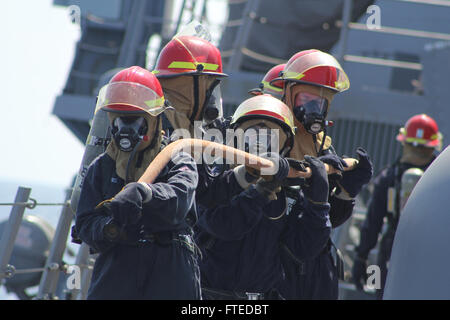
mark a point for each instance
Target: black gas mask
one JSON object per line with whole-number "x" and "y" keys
{"x": 212, "y": 106}
{"x": 212, "y": 109}
{"x": 128, "y": 132}
{"x": 311, "y": 111}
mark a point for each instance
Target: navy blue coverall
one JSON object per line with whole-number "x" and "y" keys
{"x": 242, "y": 240}
{"x": 372, "y": 226}
{"x": 215, "y": 187}
{"x": 156, "y": 258}
{"x": 317, "y": 278}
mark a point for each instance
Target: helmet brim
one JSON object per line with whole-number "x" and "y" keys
{"x": 166, "y": 74}
{"x": 262, "y": 116}
{"x": 431, "y": 144}
{"x": 255, "y": 91}
{"x": 126, "y": 109}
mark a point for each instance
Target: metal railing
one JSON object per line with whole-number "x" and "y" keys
{"x": 54, "y": 264}
{"x": 10, "y": 233}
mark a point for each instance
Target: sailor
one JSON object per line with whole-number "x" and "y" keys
{"x": 139, "y": 230}
{"x": 266, "y": 86}
{"x": 311, "y": 79}
{"x": 420, "y": 138}
{"x": 241, "y": 240}
{"x": 189, "y": 69}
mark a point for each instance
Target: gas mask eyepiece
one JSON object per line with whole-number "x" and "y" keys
{"x": 128, "y": 132}
{"x": 311, "y": 110}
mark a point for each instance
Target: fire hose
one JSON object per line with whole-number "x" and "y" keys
{"x": 297, "y": 170}
{"x": 228, "y": 153}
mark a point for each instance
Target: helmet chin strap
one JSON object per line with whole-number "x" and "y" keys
{"x": 285, "y": 149}
{"x": 196, "y": 98}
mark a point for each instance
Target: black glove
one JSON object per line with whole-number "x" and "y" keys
{"x": 334, "y": 160}
{"x": 126, "y": 206}
{"x": 353, "y": 180}
{"x": 297, "y": 181}
{"x": 270, "y": 185}
{"x": 359, "y": 273}
{"x": 316, "y": 187}
{"x": 281, "y": 163}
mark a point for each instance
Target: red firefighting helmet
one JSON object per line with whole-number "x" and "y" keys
{"x": 421, "y": 130}
{"x": 188, "y": 55}
{"x": 132, "y": 90}
{"x": 316, "y": 68}
{"x": 275, "y": 88}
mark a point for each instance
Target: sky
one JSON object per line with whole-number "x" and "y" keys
{"x": 38, "y": 46}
